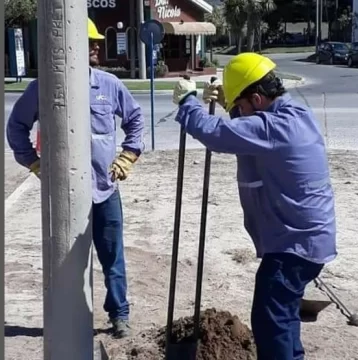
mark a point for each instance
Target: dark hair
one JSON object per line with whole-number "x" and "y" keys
{"x": 270, "y": 86}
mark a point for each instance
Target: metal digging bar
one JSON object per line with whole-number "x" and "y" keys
{"x": 187, "y": 350}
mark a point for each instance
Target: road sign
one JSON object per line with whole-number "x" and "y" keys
{"x": 151, "y": 33}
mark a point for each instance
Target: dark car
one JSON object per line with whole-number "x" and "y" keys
{"x": 353, "y": 55}
{"x": 332, "y": 52}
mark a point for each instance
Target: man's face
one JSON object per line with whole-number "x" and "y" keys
{"x": 248, "y": 106}
{"x": 93, "y": 53}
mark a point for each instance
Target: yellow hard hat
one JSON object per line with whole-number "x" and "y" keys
{"x": 242, "y": 71}
{"x": 93, "y": 32}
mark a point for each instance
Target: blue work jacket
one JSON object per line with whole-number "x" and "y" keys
{"x": 108, "y": 97}
{"x": 283, "y": 175}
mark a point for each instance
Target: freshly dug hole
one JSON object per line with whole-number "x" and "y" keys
{"x": 222, "y": 337}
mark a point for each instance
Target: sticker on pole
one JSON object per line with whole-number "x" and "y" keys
{"x": 151, "y": 27}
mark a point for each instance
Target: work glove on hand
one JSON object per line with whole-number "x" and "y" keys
{"x": 122, "y": 165}
{"x": 182, "y": 89}
{"x": 213, "y": 91}
{"x": 35, "y": 168}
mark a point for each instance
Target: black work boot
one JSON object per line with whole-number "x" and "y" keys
{"x": 121, "y": 328}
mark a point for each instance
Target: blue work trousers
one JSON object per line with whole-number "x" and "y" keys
{"x": 275, "y": 318}
{"x": 108, "y": 241}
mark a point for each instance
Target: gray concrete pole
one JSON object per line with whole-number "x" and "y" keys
{"x": 141, "y": 45}
{"x": 133, "y": 40}
{"x": 65, "y": 179}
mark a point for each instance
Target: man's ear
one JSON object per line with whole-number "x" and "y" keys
{"x": 257, "y": 100}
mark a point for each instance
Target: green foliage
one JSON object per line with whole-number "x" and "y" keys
{"x": 249, "y": 13}
{"x": 218, "y": 19}
{"x": 206, "y": 63}
{"x": 235, "y": 14}
{"x": 18, "y": 12}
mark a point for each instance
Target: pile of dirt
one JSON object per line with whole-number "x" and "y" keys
{"x": 222, "y": 337}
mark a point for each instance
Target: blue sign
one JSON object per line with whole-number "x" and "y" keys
{"x": 151, "y": 30}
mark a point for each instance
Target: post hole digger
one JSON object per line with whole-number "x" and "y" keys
{"x": 187, "y": 351}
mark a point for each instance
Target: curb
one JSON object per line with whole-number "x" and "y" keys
{"x": 166, "y": 92}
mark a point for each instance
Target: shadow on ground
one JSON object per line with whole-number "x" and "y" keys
{"x": 14, "y": 331}
{"x": 310, "y": 58}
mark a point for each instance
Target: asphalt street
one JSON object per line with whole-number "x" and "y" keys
{"x": 331, "y": 91}
{"x": 320, "y": 78}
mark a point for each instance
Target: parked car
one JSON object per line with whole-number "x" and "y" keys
{"x": 332, "y": 52}
{"x": 353, "y": 55}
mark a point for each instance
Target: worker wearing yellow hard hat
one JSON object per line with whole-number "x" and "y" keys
{"x": 108, "y": 98}
{"x": 284, "y": 188}
{"x": 242, "y": 72}
{"x": 93, "y": 33}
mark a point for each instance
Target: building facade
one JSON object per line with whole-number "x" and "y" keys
{"x": 183, "y": 21}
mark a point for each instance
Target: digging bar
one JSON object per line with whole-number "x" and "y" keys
{"x": 187, "y": 350}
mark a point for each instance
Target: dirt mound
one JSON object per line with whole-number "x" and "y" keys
{"x": 222, "y": 337}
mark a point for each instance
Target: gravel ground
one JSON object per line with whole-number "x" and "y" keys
{"x": 230, "y": 264}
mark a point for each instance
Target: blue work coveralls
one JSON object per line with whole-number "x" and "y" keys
{"x": 108, "y": 97}
{"x": 288, "y": 205}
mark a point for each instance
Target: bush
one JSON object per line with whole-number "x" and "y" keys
{"x": 160, "y": 70}
{"x": 205, "y": 63}
{"x": 120, "y": 72}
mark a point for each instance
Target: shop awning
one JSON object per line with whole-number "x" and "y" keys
{"x": 189, "y": 28}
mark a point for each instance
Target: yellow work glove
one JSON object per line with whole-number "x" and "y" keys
{"x": 122, "y": 165}
{"x": 182, "y": 89}
{"x": 35, "y": 168}
{"x": 213, "y": 91}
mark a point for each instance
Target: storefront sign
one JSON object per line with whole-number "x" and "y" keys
{"x": 165, "y": 10}
{"x": 17, "y": 53}
{"x": 103, "y": 4}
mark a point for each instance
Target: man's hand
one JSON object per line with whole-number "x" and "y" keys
{"x": 35, "y": 168}
{"x": 122, "y": 165}
{"x": 182, "y": 89}
{"x": 214, "y": 92}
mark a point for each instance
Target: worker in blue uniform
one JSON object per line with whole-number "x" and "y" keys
{"x": 284, "y": 189}
{"x": 108, "y": 97}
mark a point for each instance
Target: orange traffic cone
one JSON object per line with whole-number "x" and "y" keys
{"x": 38, "y": 140}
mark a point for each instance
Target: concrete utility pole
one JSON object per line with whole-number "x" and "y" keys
{"x": 141, "y": 45}
{"x": 65, "y": 179}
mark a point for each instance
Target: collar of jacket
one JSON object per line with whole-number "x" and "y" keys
{"x": 279, "y": 102}
{"x": 93, "y": 78}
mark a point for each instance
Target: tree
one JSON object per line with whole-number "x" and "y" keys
{"x": 347, "y": 23}
{"x": 235, "y": 14}
{"x": 18, "y": 12}
{"x": 256, "y": 10}
{"x": 218, "y": 19}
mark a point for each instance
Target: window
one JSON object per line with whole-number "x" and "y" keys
{"x": 339, "y": 46}
{"x": 131, "y": 31}
{"x": 174, "y": 46}
{"x": 111, "y": 43}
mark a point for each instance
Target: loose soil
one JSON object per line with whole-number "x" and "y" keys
{"x": 222, "y": 336}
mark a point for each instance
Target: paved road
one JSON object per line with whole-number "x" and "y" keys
{"x": 336, "y": 79}
{"x": 332, "y": 92}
